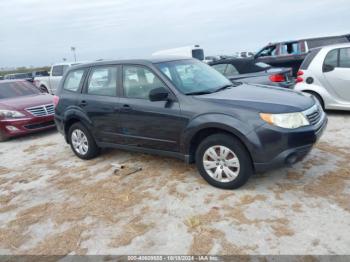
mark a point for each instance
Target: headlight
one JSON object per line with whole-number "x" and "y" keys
{"x": 10, "y": 114}
{"x": 289, "y": 120}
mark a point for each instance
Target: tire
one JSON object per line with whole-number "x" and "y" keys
{"x": 318, "y": 97}
{"x": 78, "y": 134}
{"x": 236, "y": 151}
{"x": 43, "y": 89}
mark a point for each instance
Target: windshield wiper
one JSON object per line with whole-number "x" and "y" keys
{"x": 199, "y": 93}
{"x": 224, "y": 87}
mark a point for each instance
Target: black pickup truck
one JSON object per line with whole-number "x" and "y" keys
{"x": 292, "y": 53}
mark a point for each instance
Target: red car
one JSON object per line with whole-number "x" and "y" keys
{"x": 24, "y": 109}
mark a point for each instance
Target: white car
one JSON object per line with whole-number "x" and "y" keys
{"x": 49, "y": 84}
{"x": 194, "y": 51}
{"x": 325, "y": 74}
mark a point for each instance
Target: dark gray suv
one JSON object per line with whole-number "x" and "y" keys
{"x": 186, "y": 109}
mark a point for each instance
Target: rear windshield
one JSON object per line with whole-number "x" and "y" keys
{"x": 308, "y": 59}
{"x": 16, "y": 89}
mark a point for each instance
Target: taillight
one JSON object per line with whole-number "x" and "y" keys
{"x": 299, "y": 78}
{"x": 55, "y": 100}
{"x": 277, "y": 78}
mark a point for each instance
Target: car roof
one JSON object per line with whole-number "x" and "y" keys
{"x": 328, "y": 47}
{"x": 309, "y": 39}
{"x": 151, "y": 60}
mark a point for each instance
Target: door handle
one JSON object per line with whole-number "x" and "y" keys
{"x": 125, "y": 108}
{"x": 82, "y": 103}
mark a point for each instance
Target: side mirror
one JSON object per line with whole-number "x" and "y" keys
{"x": 327, "y": 68}
{"x": 158, "y": 94}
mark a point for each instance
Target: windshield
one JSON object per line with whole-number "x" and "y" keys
{"x": 192, "y": 76}
{"x": 16, "y": 89}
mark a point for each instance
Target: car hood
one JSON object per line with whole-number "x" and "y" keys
{"x": 261, "y": 98}
{"x": 20, "y": 103}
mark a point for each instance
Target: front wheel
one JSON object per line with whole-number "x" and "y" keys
{"x": 82, "y": 142}
{"x": 223, "y": 161}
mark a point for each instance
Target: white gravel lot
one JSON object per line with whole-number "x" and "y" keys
{"x": 53, "y": 203}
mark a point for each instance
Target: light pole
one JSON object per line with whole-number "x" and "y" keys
{"x": 73, "y": 50}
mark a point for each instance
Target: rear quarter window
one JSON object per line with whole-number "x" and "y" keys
{"x": 308, "y": 59}
{"x": 74, "y": 80}
{"x": 59, "y": 70}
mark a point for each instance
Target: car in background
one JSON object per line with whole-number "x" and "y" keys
{"x": 292, "y": 53}
{"x": 193, "y": 51}
{"x": 27, "y": 76}
{"x": 14, "y": 76}
{"x": 325, "y": 74}
{"x": 183, "y": 108}
{"x": 247, "y": 70}
{"x": 244, "y": 54}
{"x": 23, "y": 109}
{"x": 49, "y": 83}
{"x": 1, "y": 78}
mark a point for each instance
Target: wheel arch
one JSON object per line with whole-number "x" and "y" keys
{"x": 207, "y": 131}
{"x": 313, "y": 92}
{"x": 73, "y": 116}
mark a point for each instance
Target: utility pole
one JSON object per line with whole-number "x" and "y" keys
{"x": 73, "y": 50}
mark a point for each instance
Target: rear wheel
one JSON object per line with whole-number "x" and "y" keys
{"x": 223, "y": 161}
{"x": 82, "y": 142}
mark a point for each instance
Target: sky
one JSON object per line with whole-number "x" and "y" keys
{"x": 37, "y": 33}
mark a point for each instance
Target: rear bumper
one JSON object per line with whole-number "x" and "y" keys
{"x": 291, "y": 148}
{"x": 17, "y": 127}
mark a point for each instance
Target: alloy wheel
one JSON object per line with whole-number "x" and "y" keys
{"x": 221, "y": 163}
{"x": 80, "y": 142}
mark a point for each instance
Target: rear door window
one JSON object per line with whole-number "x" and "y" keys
{"x": 344, "y": 57}
{"x": 73, "y": 80}
{"x": 103, "y": 81}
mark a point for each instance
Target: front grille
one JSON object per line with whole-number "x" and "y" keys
{"x": 40, "y": 125}
{"x": 314, "y": 115}
{"x": 44, "y": 110}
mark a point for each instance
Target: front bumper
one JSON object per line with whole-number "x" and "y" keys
{"x": 280, "y": 148}
{"x": 17, "y": 127}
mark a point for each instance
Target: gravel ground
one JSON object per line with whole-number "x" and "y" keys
{"x": 53, "y": 203}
